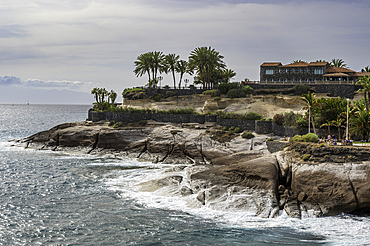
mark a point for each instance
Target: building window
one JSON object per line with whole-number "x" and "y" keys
{"x": 319, "y": 71}
{"x": 272, "y": 80}
{"x": 292, "y": 79}
{"x": 307, "y": 70}
{"x": 293, "y": 70}
{"x": 279, "y": 70}
{"x": 269, "y": 71}
{"x": 286, "y": 70}
{"x": 286, "y": 80}
{"x": 300, "y": 70}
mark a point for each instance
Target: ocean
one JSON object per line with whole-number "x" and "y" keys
{"x": 58, "y": 198}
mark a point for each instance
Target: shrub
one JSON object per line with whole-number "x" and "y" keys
{"x": 278, "y": 119}
{"x": 128, "y": 91}
{"x": 231, "y": 128}
{"x": 322, "y": 145}
{"x": 233, "y": 93}
{"x": 270, "y": 139}
{"x": 119, "y": 124}
{"x": 310, "y": 137}
{"x": 217, "y": 98}
{"x": 306, "y": 157}
{"x": 156, "y": 97}
{"x": 142, "y": 122}
{"x": 225, "y": 87}
{"x": 247, "y": 135}
{"x": 225, "y": 128}
{"x": 213, "y": 92}
{"x": 182, "y": 111}
{"x": 247, "y": 89}
{"x": 251, "y": 116}
{"x": 238, "y": 130}
{"x": 297, "y": 138}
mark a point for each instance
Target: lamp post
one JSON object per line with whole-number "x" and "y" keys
{"x": 309, "y": 118}
{"x": 347, "y": 121}
{"x": 186, "y": 83}
{"x": 160, "y": 82}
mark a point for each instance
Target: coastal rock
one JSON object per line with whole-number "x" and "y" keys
{"x": 248, "y": 184}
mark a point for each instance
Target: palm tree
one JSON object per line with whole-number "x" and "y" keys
{"x": 360, "y": 124}
{"x": 170, "y": 65}
{"x": 205, "y": 61}
{"x": 310, "y": 101}
{"x": 338, "y": 123}
{"x": 143, "y": 65}
{"x": 112, "y": 95}
{"x": 321, "y": 61}
{"x": 95, "y": 92}
{"x": 365, "y": 82}
{"x": 156, "y": 65}
{"x": 328, "y": 124}
{"x": 228, "y": 74}
{"x": 182, "y": 67}
{"x": 337, "y": 63}
{"x": 296, "y": 61}
{"x": 366, "y": 69}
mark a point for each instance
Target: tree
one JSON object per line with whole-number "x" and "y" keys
{"x": 156, "y": 65}
{"x": 310, "y": 101}
{"x": 366, "y": 69}
{"x": 170, "y": 65}
{"x": 112, "y": 95}
{"x": 337, "y": 63}
{"x": 338, "y": 123}
{"x": 328, "y": 124}
{"x": 95, "y": 92}
{"x": 321, "y": 61}
{"x": 360, "y": 124}
{"x": 205, "y": 61}
{"x": 143, "y": 65}
{"x": 228, "y": 74}
{"x": 182, "y": 67}
{"x": 296, "y": 61}
{"x": 365, "y": 82}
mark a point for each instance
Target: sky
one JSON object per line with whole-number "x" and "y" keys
{"x": 57, "y": 51}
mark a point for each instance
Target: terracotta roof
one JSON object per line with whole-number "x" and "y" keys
{"x": 271, "y": 64}
{"x": 317, "y": 63}
{"x": 297, "y": 64}
{"x": 336, "y": 75}
{"x": 339, "y": 70}
{"x": 360, "y": 74}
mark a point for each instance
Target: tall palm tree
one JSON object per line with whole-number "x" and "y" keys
{"x": 366, "y": 69}
{"x": 360, "y": 124}
{"x": 321, "y": 61}
{"x": 143, "y": 65}
{"x": 365, "y": 82}
{"x": 156, "y": 63}
{"x": 296, "y": 61}
{"x": 310, "y": 101}
{"x": 182, "y": 67}
{"x": 337, "y": 63}
{"x": 95, "y": 92}
{"x": 204, "y": 61}
{"x": 328, "y": 124}
{"x": 170, "y": 65}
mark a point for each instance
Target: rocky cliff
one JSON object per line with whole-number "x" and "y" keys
{"x": 225, "y": 171}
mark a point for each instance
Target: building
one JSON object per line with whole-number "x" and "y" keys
{"x": 304, "y": 72}
{"x": 296, "y": 72}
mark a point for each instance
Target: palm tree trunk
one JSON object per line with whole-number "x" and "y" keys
{"x": 174, "y": 79}
{"x": 366, "y": 104}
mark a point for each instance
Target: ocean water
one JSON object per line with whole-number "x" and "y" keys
{"x": 56, "y": 198}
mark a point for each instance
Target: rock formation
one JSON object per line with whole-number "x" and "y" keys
{"x": 225, "y": 171}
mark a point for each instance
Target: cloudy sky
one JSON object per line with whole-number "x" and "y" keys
{"x": 57, "y": 51}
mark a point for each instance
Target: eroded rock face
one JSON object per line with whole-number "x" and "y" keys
{"x": 327, "y": 188}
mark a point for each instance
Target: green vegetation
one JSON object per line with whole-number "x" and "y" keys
{"x": 238, "y": 130}
{"x": 270, "y": 139}
{"x": 217, "y": 98}
{"x": 309, "y": 137}
{"x": 104, "y": 99}
{"x": 306, "y": 157}
{"x": 247, "y": 135}
{"x": 231, "y": 115}
{"x": 213, "y": 92}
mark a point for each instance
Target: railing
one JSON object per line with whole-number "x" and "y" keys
{"x": 350, "y": 82}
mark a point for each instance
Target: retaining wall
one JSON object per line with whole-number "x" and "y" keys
{"x": 260, "y": 127}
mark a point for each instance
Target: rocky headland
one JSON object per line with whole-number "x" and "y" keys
{"x": 225, "y": 171}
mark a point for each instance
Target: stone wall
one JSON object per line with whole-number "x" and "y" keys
{"x": 260, "y": 127}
